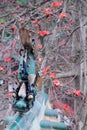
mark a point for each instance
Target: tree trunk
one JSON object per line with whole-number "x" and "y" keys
{"x": 76, "y": 48}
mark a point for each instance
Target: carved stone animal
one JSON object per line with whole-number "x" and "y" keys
{"x": 26, "y": 39}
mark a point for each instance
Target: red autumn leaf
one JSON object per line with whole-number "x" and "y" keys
{"x": 66, "y": 107}
{"x": 9, "y": 94}
{"x": 14, "y": 43}
{"x": 14, "y": 27}
{"x": 77, "y": 92}
{"x": 48, "y": 15}
{"x": 35, "y": 21}
{"x": 56, "y": 82}
{"x": 17, "y": 7}
{"x": 44, "y": 71}
{"x": 52, "y": 75}
{"x": 43, "y": 33}
{"x": 47, "y": 68}
{"x": 63, "y": 15}
{"x": 56, "y": 4}
{"x": 7, "y": 59}
{"x": 39, "y": 46}
{"x": 1, "y": 68}
{"x": 47, "y": 10}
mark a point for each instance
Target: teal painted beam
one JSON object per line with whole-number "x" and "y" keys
{"x": 14, "y": 124}
{"x": 54, "y": 125}
{"x": 25, "y": 121}
{"x": 51, "y": 113}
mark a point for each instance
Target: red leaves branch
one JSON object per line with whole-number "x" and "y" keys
{"x": 43, "y": 33}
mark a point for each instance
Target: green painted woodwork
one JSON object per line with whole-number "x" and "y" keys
{"x": 53, "y": 125}
{"x": 51, "y": 113}
{"x": 21, "y": 104}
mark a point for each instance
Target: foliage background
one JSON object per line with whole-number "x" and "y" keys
{"x": 60, "y": 39}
